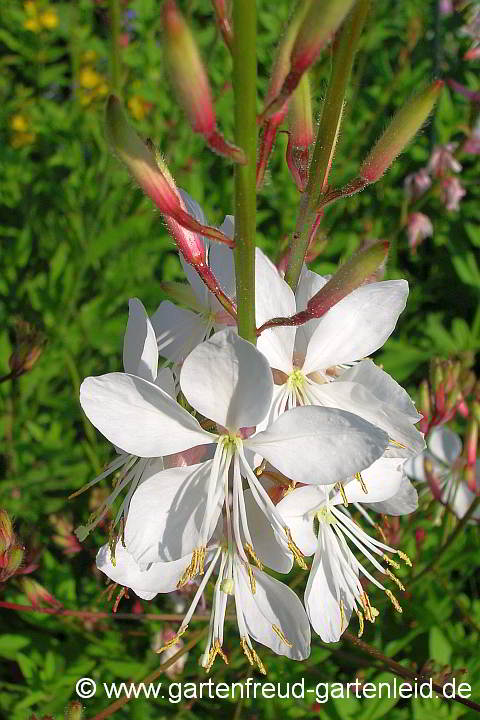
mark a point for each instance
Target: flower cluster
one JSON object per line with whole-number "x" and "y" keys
{"x": 235, "y": 459}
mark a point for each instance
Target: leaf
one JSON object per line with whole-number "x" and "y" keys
{"x": 439, "y": 646}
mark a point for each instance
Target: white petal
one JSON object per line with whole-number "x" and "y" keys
{"x": 228, "y": 226}
{"x": 357, "y": 325}
{"x": 308, "y": 285}
{"x": 178, "y": 331}
{"x": 404, "y": 502}
{"x": 296, "y": 509}
{"x": 273, "y": 298}
{"x": 317, "y": 446}
{"x": 166, "y": 513}
{"x": 158, "y": 578}
{"x": 444, "y": 444}
{"x": 274, "y": 603}
{"x": 382, "y": 480}
{"x": 221, "y": 262}
{"x": 321, "y": 599}
{"x": 138, "y": 417}
{"x": 415, "y": 467}
{"x": 140, "y": 352}
{"x": 268, "y": 547}
{"x": 383, "y": 386}
{"x": 355, "y": 398}
{"x": 166, "y": 382}
{"x": 228, "y": 380}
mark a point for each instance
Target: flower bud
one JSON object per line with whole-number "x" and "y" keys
{"x": 425, "y": 407}
{"x": 452, "y": 191}
{"x": 471, "y": 441}
{"x": 404, "y": 125}
{"x": 10, "y": 561}
{"x": 29, "y": 346}
{"x": 37, "y": 594}
{"x": 300, "y": 114}
{"x": 347, "y": 278}
{"x": 74, "y": 711}
{"x": 7, "y": 536}
{"x": 187, "y": 69}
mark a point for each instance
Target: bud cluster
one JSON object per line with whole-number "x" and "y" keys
{"x": 12, "y": 552}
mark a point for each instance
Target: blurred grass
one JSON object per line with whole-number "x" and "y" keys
{"x": 78, "y": 239}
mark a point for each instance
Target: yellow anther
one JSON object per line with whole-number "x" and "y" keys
{"x": 260, "y": 664}
{"x": 227, "y": 586}
{"x": 393, "y": 600}
{"x": 259, "y": 470}
{"x": 380, "y": 532}
{"x": 174, "y": 639}
{"x": 214, "y": 651}
{"x": 370, "y": 612}
{"x": 358, "y": 476}
{"x": 360, "y": 622}
{"x": 342, "y": 493}
{"x": 395, "y": 579}
{"x": 296, "y": 552}
{"x": 343, "y": 622}
{"x": 253, "y": 583}
{"x": 397, "y": 444}
{"x": 249, "y": 549}
{"x": 282, "y": 636}
{"x": 391, "y": 562}
{"x": 405, "y": 558}
{"x": 246, "y": 650}
{"x": 196, "y": 567}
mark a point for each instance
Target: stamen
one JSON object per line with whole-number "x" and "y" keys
{"x": 246, "y": 650}
{"x": 370, "y": 612}
{"x": 393, "y": 600}
{"x": 282, "y": 636}
{"x": 296, "y": 552}
{"x": 196, "y": 566}
{"x": 343, "y": 623}
{"x": 405, "y": 558}
{"x": 397, "y": 444}
{"x": 391, "y": 562}
{"x": 260, "y": 664}
{"x": 253, "y": 582}
{"x": 342, "y": 493}
{"x": 174, "y": 640}
{"x": 259, "y": 470}
{"x": 360, "y": 623}
{"x": 358, "y": 476}
{"x": 381, "y": 533}
{"x": 214, "y": 651}
{"x": 395, "y": 579}
{"x": 249, "y": 549}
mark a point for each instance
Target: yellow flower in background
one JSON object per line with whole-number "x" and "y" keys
{"x": 89, "y": 56}
{"x": 49, "y": 19}
{"x": 19, "y": 122}
{"x": 138, "y": 107}
{"x": 89, "y": 78}
{"x": 36, "y": 20}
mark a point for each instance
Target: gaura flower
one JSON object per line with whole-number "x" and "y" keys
{"x": 178, "y": 329}
{"x": 419, "y": 227}
{"x": 321, "y": 526}
{"x": 140, "y": 358}
{"x": 441, "y": 465}
{"x": 317, "y": 363}
{"x": 452, "y": 192}
{"x": 443, "y": 160}
{"x": 228, "y": 382}
{"x": 417, "y": 183}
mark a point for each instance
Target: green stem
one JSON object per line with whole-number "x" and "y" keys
{"x": 114, "y": 8}
{"x": 440, "y": 553}
{"x": 244, "y": 87}
{"x": 327, "y": 136}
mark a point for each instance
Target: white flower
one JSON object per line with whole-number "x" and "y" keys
{"x": 229, "y": 382}
{"x": 333, "y": 589}
{"x": 140, "y": 358}
{"x": 179, "y": 330}
{"x": 445, "y": 466}
{"x": 310, "y": 363}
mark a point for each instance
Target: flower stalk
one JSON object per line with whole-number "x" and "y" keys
{"x": 244, "y": 87}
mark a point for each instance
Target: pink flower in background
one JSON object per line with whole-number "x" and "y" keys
{"x": 452, "y": 192}
{"x": 445, "y": 7}
{"x": 472, "y": 143}
{"x": 419, "y": 227}
{"x": 417, "y": 183}
{"x": 443, "y": 161}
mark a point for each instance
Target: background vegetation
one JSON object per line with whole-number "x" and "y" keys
{"x": 78, "y": 240}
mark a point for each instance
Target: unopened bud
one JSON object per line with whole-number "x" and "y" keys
{"x": 74, "y": 711}
{"x": 7, "y": 537}
{"x": 29, "y": 346}
{"x": 404, "y": 125}
{"x": 188, "y": 71}
{"x": 347, "y": 278}
{"x": 300, "y": 114}
{"x": 425, "y": 404}
{"x": 467, "y": 381}
{"x": 37, "y": 594}
{"x": 438, "y": 374}
{"x": 10, "y": 561}
{"x": 471, "y": 441}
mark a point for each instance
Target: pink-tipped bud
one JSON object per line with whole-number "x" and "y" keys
{"x": 10, "y": 561}
{"x": 402, "y": 128}
{"x": 471, "y": 441}
{"x": 316, "y": 30}
{"x": 187, "y": 70}
{"x": 37, "y": 594}
{"x": 349, "y": 277}
{"x": 7, "y": 536}
{"x": 74, "y": 711}
{"x": 425, "y": 406}
{"x": 300, "y": 114}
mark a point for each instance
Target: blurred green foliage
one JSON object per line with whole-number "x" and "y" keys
{"x": 78, "y": 239}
